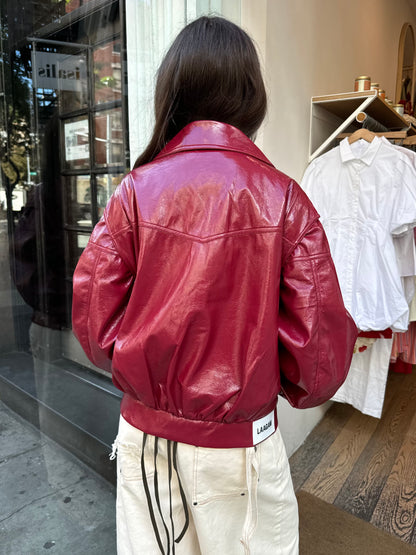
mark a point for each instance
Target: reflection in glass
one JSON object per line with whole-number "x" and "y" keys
{"x": 108, "y": 138}
{"x": 72, "y": 82}
{"x": 76, "y": 143}
{"x": 77, "y": 241}
{"x": 107, "y": 72}
{"x": 60, "y": 75}
{"x": 78, "y": 200}
{"x": 106, "y": 185}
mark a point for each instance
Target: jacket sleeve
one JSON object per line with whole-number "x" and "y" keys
{"x": 316, "y": 333}
{"x": 102, "y": 284}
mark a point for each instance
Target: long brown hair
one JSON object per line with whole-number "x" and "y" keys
{"x": 210, "y": 72}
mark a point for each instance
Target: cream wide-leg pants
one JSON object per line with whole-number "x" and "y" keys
{"x": 175, "y": 498}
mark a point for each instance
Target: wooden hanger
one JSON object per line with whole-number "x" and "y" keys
{"x": 362, "y": 133}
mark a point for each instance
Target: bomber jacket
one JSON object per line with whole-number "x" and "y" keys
{"x": 207, "y": 289}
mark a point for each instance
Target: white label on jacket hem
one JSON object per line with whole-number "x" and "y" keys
{"x": 263, "y": 428}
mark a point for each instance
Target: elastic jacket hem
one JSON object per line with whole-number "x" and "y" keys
{"x": 201, "y": 433}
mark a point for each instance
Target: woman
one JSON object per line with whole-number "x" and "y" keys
{"x": 207, "y": 289}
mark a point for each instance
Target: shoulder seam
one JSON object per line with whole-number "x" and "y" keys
{"x": 299, "y": 239}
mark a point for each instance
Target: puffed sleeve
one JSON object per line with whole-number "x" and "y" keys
{"x": 102, "y": 283}
{"x": 404, "y": 204}
{"x": 316, "y": 333}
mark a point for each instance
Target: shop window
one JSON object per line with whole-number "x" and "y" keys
{"x": 76, "y": 143}
{"x": 66, "y": 66}
{"x": 78, "y": 200}
{"x": 108, "y": 136}
{"x": 66, "y": 150}
{"x": 107, "y": 72}
{"x": 106, "y": 185}
{"x": 76, "y": 243}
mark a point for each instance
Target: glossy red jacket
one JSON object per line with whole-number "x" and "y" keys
{"x": 208, "y": 288}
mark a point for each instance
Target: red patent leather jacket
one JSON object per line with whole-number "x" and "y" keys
{"x": 207, "y": 289}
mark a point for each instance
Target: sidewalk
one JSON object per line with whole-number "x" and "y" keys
{"x": 50, "y": 502}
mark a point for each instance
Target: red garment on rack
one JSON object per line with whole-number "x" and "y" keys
{"x": 386, "y": 334}
{"x": 401, "y": 367}
{"x": 404, "y": 350}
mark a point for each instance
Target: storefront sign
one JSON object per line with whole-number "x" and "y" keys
{"x": 76, "y": 140}
{"x": 58, "y": 71}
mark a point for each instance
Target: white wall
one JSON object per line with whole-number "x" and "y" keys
{"x": 318, "y": 47}
{"x": 309, "y": 48}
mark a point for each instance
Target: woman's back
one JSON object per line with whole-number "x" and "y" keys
{"x": 207, "y": 289}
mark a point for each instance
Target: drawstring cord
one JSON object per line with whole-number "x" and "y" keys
{"x": 114, "y": 448}
{"x": 184, "y": 503}
{"x": 172, "y": 460}
{"x": 149, "y": 499}
{"x": 250, "y": 523}
{"x": 172, "y": 448}
{"x": 170, "y": 492}
{"x": 156, "y": 489}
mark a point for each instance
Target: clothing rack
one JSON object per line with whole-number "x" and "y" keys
{"x": 375, "y": 128}
{"x": 334, "y": 116}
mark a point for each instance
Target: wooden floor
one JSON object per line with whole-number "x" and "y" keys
{"x": 364, "y": 465}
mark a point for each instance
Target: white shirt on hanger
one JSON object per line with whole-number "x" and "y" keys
{"x": 365, "y": 385}
{"x": 366, "y": 194}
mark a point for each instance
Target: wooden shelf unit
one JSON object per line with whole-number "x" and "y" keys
{"x": 332, "y": 115}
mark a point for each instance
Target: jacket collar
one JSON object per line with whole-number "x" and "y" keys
{"x": 212, "y": 135}
{"x": 367, "y": 156}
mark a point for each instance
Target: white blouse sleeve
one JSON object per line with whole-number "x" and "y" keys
{"x": 404, "y": 208}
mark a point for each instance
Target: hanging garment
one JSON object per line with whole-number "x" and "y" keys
{"x": 367, "y": 339}
{"x": 404, "y": 246}
{"x": 365, "y": 385}
{"x": 404, "y": 346}
{"x": 401, "y": 367}
{"x": 412, "y": 313}
{"x": 366, "y": 194}
{"x": 363, "y": 343}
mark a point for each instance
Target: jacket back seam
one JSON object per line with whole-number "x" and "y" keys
{"x": 248, "y": 231}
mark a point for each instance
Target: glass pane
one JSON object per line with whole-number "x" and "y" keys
{"x": 77, "y": 241}
{"x": 107, "y": 72}
{"x": 106, "y": 185}
{"x": 72, "y": 82}
{"x": 46, "y": 74}
{"x": 78, "y": 200}
{"x": 108, "y": 138}
{"x": 60, "y": 76}
{"x": 76, "y": 143}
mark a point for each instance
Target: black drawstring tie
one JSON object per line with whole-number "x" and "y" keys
{"x": 184, "y": 503}
{"x": 171, "y": 460}
{"x": 149, "y": 499}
